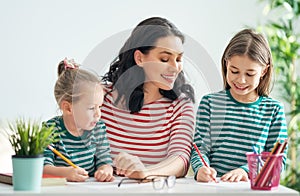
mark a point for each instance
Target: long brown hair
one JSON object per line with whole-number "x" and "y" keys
{"x": 256, "y": 47}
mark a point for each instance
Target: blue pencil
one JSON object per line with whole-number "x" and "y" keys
{"x": 259, "y": 159}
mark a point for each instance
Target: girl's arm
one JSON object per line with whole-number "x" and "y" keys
{"x": 277, "y": 130}
{"x": 72, "y": 174}
{"x": 103, "y": 163}
{"x": 202, "y": 135}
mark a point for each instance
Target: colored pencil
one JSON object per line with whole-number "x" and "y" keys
{"x": 62, "y": 156}
{"x": 267, "y": 172}
{"x": 202, "y": 159}
{"x": 264, "y": 174}
{"x": 259, "y": 159}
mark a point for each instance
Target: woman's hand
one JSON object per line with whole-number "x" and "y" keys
{"x": 76, "y": 174}
{"x": 206, "y": 174}
{"x": 104, "y": 174}
{"x": 235, "y": 175}
{"x": 129, "y": 166}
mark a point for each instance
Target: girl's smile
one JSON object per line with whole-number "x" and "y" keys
{"x": 243, "y": 77}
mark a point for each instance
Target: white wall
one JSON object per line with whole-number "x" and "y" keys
{"x": 35, "y": 35}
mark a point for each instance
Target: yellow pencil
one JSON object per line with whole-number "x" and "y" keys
{"x": 62, "y": 156}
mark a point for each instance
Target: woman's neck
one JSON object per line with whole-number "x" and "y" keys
{"x": 151, "y": 93}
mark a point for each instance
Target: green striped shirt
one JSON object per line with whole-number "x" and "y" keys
{"x": 88, "y": 151}
{"x": 226, "y": 129}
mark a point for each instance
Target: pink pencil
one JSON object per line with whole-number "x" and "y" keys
{"x": 202, "y": 159}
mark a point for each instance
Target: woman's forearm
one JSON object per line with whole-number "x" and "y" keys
{"x": 171, "y": 166}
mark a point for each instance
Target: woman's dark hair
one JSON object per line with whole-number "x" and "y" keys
{"x": 128, "y": 79}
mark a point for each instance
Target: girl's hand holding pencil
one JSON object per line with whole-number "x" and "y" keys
{"x": 76, "y": 174}
{"x": 72, "y": 173}
{"x": 205, "y": 173}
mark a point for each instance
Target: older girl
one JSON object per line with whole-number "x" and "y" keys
{"x": 230, "y": 122}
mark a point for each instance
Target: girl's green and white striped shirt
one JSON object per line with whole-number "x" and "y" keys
{"x": 226, "y": 129}
{"x": 88, "y": 151}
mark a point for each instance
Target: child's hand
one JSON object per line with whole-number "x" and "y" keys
{"x": 76, "y": 174}
{"x": 235, "y": 175}
{"x": 206, "y": 174}
{"x": 104, "y": 174}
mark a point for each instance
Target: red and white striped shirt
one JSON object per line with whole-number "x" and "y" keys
{"x": 161, "y": 129}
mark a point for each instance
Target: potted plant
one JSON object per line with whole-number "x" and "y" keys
{"x": 28, "y": 140}
{"x": 283, "y": 35}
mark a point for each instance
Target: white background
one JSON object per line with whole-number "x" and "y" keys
{"x": 36, "y": 34}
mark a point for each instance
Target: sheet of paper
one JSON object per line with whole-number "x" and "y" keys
{"x": 219, "y": 183}
{"x": 91, "y": 183}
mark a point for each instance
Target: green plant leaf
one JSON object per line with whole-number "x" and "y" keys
{"x": 284, "y": 41}
{"x": 30, "y": 137}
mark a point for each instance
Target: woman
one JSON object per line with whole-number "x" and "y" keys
{"x": 148, "y": 108}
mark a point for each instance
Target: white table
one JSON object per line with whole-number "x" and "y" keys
{"x": 184, "y": 187}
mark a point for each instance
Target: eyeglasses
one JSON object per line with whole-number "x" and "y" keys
{"x": 158, "y": 181}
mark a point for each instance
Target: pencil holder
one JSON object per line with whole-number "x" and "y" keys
{"x": 27, "y": 172}
{"x": 264, "y": 170}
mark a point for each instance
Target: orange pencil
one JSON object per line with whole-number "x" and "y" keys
{"x": 62, "y": 156}
{"x": 202, "y": 159}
